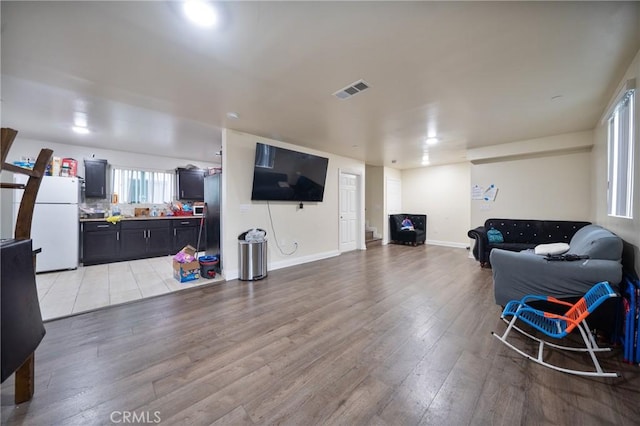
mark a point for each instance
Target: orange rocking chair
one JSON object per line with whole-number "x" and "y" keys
{"x": 558, "y": 326}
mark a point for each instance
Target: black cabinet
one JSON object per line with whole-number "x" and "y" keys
{"x": 100, "y": 242}
{"x": 190, "y": 184}
{"x": 145, "y": 238}
{"x": 104, "y": 242}
{"x": 159, "y": 240}
{"x": 134, "y": 243}
{"x": 185, "y": 232}
{"x": 95, "y": 178}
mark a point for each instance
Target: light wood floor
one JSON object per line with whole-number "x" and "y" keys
{"x": 396, "y": 335}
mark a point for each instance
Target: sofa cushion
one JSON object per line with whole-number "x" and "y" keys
{"x": 597, "y": 243}
{"x": 558, "y": 231}
{"x": 516, "y": 230}
{"x": 552, "y": 248}
{"x": 512, "y": 246}
{"x": 495, "y": 236}
{"x": 419, "y": 221}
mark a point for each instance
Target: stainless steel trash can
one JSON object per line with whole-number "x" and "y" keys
{"x": 252, "y": 259}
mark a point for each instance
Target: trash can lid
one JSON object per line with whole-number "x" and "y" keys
{"x": 243, "y": 236}
{"x": 208, "y": 258}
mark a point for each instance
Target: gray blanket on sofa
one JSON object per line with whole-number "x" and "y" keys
{"x": 517, "y": 274}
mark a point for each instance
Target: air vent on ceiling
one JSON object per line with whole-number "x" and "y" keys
{"x": 352, "y": 89}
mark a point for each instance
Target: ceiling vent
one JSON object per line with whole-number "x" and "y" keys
{"x": 352, "y": 89}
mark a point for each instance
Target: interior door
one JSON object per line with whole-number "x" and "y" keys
{"x": 348, "y": 211}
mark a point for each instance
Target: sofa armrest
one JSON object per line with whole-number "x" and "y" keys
{"x": 480, "y": 235}
{"x": 517, "y": 274}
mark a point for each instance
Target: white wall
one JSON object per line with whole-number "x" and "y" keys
{"x": 374, "y": 198}
{"x": 442, "y": 193}
{"x": 627, "y": 229}
{"x": 557, "y": 186}
{"x": 315, "y": 227}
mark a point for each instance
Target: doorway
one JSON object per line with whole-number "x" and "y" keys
{"x": 350, "y": 196}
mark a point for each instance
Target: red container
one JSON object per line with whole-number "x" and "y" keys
{"x": 72, "y": 165}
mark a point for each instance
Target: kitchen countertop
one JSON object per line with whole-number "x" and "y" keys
{"x": 104, "y": 219}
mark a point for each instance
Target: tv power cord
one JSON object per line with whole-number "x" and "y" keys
{"x": 295, "y": 243}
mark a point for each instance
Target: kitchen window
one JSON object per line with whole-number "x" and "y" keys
{"x": 620, "y": 151}
{"x": 143, "y": 186}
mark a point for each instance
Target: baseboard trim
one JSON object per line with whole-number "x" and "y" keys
{"x": 447, "y": 244}
{"x": 233, "y": 274}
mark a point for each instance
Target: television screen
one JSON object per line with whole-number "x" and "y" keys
{"x": 283, "y": 175}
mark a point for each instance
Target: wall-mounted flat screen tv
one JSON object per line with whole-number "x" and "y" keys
{"x": 284, "y": 175}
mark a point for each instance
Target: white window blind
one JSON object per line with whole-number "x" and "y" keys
{"x": 621, "y": 156}
{"x": 142, "y": 186}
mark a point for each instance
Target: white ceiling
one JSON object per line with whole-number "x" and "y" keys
{"x": 475, "y": 73}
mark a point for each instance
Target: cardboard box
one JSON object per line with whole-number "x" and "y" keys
{"x": 188, "y": 271}
{"x": 141, "y": 211}
{"x": 71, "y": 165}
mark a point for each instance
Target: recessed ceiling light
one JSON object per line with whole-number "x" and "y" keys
{"x": 233, "y": 115}
{"x": 432, "y": 141}
{"x": 80, "y": 119}
{"x": 201, "y": 13}
{"x": 81, "y": 130}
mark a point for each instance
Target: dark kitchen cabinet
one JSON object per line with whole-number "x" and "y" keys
{"x": 133, "y": 244}
{"x": 159, "y": 240}
{"x": 95, "y": 178}
{"x": 104, "y": 242}
{"x": 145, "y": 238}
{"x": 185, "y": 232}
{"x": 190, "y": 184}
{"x": 100, "y": 242}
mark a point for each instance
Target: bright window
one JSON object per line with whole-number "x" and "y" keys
{"x": 621, "y": 155}
{"x": 142, "y": 186}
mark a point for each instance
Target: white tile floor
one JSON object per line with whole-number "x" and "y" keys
{"x": 91, "y": 287}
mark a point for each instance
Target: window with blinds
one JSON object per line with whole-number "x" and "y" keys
{"x": 621, "y": 156}
{"x": 143, "y": 186}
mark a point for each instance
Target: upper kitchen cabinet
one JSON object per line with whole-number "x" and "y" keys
{"x": 190, "y": 184}
{"x": 95, "y": 178}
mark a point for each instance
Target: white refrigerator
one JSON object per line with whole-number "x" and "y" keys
{"x": 55, "y": 224}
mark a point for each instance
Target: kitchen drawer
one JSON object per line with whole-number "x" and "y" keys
{"x": 178, "y": 223}
{"x": 99, "y": 226}
{"x": 145, "y": 224}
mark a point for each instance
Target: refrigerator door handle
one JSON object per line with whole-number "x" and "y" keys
{"x": 118, "y": 236}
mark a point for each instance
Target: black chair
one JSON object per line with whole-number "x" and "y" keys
{"x": 414, "y": 237}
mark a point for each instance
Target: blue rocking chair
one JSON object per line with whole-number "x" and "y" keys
{"x": 558, "y": 326}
